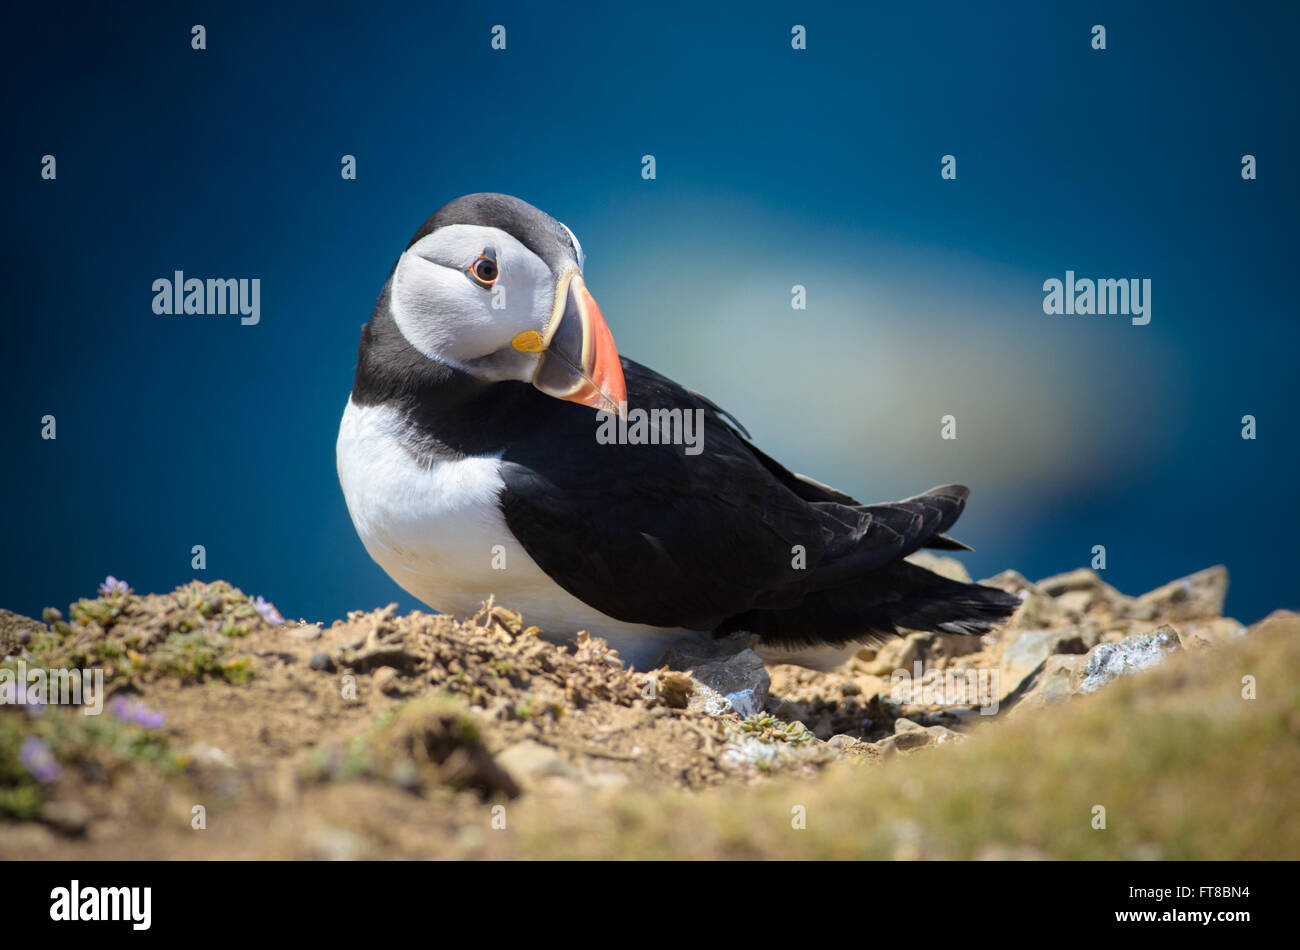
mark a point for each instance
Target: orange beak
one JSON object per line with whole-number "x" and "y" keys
{"x": 579, "y": 362}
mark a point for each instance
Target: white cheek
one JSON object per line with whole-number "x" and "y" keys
{"x": 447, "y": 316}
{"x": 441, "y": 312}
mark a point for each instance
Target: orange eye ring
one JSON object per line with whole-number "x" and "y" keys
{"x": 484, "y": 271}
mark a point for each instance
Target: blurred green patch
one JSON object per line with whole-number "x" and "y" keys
{"x": 40, "y": 747}
{"x": 191, "y": 635}
{"x": 767, "y": 728}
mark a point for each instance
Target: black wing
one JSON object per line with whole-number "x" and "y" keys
{"x": 650, "y": 534}
{"x": 810, "y": 489}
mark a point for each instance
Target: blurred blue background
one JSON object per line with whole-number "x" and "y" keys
{"x": 775, "y": 168}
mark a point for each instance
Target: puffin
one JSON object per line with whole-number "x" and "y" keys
{"x": 476, "y": 461}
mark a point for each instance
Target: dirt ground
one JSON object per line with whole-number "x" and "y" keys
{"x": 227, "y": 734}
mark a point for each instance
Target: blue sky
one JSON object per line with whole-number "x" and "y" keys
{"x": 774, "y": 167}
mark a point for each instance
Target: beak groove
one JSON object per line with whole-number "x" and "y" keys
{"x": 579, "y": 361}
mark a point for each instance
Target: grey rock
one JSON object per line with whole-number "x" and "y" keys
{"x": 1055, "y": 681}
{"x": 705, "y": 700}
{"x": 1109, "y": 660}
{"x": 1197, "y": 596}
{"x": 690, "y": 652}
{"x": 729, "y": 676}
{"x": 1021, "y": 656}
{"x": 322, "y": 663}
{"x": 911, "y": 739}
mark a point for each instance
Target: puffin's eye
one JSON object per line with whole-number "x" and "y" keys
{"x": 485, "y": 270}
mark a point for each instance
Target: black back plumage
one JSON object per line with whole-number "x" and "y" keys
{"x": 727, "y": 539}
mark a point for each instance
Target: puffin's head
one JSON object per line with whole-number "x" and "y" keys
{"x": 493, "y": 287}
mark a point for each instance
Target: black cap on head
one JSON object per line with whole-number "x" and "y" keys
{"x": 533, "y": 228}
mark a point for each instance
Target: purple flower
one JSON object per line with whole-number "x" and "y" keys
{"x": 112, "y": 586}
{"x": 267, "y": 610}
{"x": 136, "y": 713}
{"x": 40, "y": 760}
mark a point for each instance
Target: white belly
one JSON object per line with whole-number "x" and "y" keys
{"x": 439, "y": 533}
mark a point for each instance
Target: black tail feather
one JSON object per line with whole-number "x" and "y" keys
{"x": 941, "y": 542}
{"x": 900, "y": 596}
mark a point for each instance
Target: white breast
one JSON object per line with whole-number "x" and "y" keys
{"x": 439, "y": 533}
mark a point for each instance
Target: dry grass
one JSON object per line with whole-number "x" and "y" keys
{"x": 1185, "y": 767}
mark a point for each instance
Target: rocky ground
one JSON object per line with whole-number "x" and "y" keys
{"x": 1094, "y": 725}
